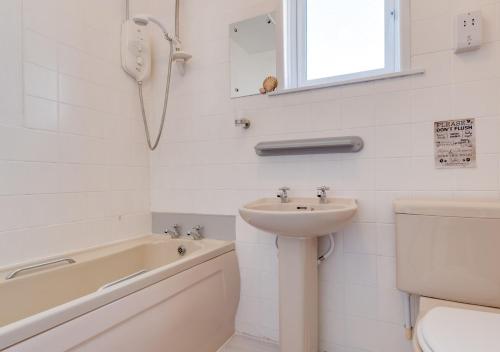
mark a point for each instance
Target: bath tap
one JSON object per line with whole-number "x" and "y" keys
{"x": 195, "y": 233}
{"x": 175, "y": 233}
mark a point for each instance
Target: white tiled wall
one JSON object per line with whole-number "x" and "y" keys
{"x": 74, "y": 169}
{"x": 206, "y": 165}
{"x": 75, "y": 172}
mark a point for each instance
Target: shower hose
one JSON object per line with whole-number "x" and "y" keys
{"x": 153, "y": 146}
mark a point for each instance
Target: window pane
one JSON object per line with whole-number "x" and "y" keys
{"x": 344, "y": 36}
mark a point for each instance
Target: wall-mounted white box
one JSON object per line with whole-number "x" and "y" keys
{"x": 468, "y": 34}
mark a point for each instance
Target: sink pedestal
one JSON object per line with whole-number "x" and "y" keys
{"x": 298, "y": 293}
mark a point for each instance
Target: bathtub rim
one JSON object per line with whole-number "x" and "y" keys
{"x": 103, "y": 248}
{"x": 28, "y": 327}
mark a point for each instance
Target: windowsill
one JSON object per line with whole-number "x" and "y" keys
{"x": 399, "y": 74}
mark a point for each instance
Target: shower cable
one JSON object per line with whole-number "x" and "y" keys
{"x": 153, "y": 146}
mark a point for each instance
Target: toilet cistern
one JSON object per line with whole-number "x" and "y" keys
{"x": 447, "y": 255}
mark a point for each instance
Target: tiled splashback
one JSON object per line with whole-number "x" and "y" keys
{"x": 74, "y": 169}
{"x": 206, "y": 165}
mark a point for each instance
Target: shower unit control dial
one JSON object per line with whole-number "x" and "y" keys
{"x": 136, "y": 51}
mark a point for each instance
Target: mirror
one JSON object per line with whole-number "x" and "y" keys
{"x": 252, "y": 55}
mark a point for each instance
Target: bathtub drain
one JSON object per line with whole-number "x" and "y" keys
{"x": 181, "y": 250}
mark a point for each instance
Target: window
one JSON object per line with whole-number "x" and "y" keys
{"x": 331, "y": 41}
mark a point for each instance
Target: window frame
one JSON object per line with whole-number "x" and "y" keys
{"x": 295, "y": 45}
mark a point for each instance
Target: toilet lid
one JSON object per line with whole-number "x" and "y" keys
{"x": 446, "y": 329}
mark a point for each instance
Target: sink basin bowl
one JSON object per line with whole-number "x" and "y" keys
{"x": 300, "y": 217}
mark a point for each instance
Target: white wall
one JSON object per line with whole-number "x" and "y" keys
{"x": 206, "y": 165}
{"x": 74, "y": 168}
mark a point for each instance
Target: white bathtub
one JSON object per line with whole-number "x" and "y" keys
{"x": 178, "y": 304}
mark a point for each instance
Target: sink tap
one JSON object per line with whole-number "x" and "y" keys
{"x": 322, "y": 194}
{"x": 174, "y": 232}
{"x": 195, "y": 233}
{"x": 283, "y": 194}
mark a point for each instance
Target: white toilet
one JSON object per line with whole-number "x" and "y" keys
{"x": 448, "y": 254}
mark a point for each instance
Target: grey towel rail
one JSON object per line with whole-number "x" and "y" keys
{"x": 349, "y": 144}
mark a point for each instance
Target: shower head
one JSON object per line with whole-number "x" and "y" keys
{"x": 143, "y": 20}
{"x": 140, "y": 21}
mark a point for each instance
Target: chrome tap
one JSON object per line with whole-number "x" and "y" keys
{"x": 283, "y": 194}
{"x": 174, "y": 233}
{"x": 195, "y": 233}
{"x": 322, "y": 194}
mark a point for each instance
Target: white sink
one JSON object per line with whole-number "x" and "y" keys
{"x": 300, "y": 217}
{"x": 299, "y": 223}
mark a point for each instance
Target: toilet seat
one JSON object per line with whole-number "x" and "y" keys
{"x": 445, "y": 329}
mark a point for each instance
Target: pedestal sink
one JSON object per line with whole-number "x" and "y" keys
{"x": 298, "y": 223}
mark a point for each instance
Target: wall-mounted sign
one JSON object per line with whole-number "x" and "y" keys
{"x": 455, "y": 143}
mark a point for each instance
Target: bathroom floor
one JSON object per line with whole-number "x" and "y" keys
{"x": 245, "y": 344}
